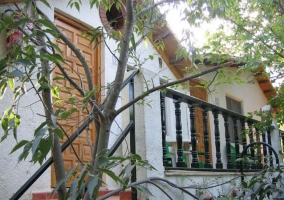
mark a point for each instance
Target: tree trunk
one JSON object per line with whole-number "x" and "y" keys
{"x": 56, "y": 150}
{"x": 103, "y": 136}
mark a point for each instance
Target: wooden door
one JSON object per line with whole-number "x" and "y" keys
{"x": 199, "y": 93}
{"x": 82, "y": 145}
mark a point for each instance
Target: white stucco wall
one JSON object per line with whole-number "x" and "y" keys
{"x": 13, "y": 174}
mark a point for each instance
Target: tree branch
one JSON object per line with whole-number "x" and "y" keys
{"x": 147, "y": 180}
{"x": 170, "y": 84}
{"x": 61, "y": 68}
{"x": 123, "y": 58}
{"x": 151, "y": 7}
{"x": 265, "y": 44}
{"x": 79, "y": 56}
{"x": 161, "y": 189}
{"x": 147, "y": 30}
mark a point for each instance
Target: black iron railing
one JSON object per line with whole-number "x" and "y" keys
{"x": 129, "y": 129}
{"x": 243, "y": 129}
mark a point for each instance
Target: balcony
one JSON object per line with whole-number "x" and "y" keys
{"x": 213, "y": 137}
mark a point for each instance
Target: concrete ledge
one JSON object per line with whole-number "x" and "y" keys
{"x": 202, "y": 173}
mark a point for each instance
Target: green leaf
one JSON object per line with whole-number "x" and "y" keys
{"x": 45, "y": 3}
{"x": 66, "y": 114}
{"x": 20, "y": 22}
{"x": 11, "y": 83}
{"x": 59, "y": 133}
{"x": 77, "y": 6}
{"x": 133, "y": 43}
{"x": 24, "y": 62}
{"x": 102, "y": 153}
{"x": 72, "y": 100}
{"x": 4, "y": 136}
{"x": 127, "y": 170}
{"x": 19, "y": 145}
{"x": 23, "y": 156}
{"x": 55, "y": 47}
{"x": 45, "y": 146}
{"x": 40, "y": 127}
{"x": 92, "y": 183}
{"x": 3, "y": 26}
{"x": 73, "y": 189}
{"x": 56, "y": 58}
{"x": 63, "y": 180}
{"x": 143, "y": 189}
{"x": 46, "y": 24}
{"x": 97, "y": 44}
{"x": 103, "y": 161}
{"x": 44, "y": 85}
{"x": 25, "y": 153}
{"x": 83, "y": 174}
{"x": 89, "y": 94}
{"x": 136, "y": 157}
{"x": 55, "y": 91}
{"x": 94, "y": 37}
{"x": 15, "y": 133}
{"x": 37, "y": 139}
{"x": 5, "y": 124}
{"x": 58, "y": 78}
{"x": 112, "y": 175}
{"x": 3, "y": 87}
{"x": 82, "y": 171}
{"x": 16, "y": 73}
{"x": 3, "y": 64}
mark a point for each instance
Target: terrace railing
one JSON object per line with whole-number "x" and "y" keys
{"x": 240, "y": 124}
{"x": 130, "y": 128}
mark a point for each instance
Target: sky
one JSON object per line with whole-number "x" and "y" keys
{"x": 177, "y": 25}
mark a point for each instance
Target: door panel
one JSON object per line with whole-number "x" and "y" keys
{"x": 199, "y": 93}
{"x": 82, "y": 145}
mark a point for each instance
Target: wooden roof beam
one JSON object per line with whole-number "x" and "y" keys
{"x": 173, "y": 60}
{"x": 263, "y": 81}
{"x": 163, "y": 35}
{"x": 268, "y": 91}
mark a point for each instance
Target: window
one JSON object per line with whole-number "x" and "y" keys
{"x": 160, "y": 62}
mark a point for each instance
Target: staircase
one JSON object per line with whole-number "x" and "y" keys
{"x": 126, "y": 195}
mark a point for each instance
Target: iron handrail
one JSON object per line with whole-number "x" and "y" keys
{"x": 192, "y": 100}
{"x": 47, "y": 163}
{"x": 252, "y": 144}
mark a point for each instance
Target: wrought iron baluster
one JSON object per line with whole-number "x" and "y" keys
{"x": 163, "y": 121}
{"x": 244, "y": 139}
{"x": 228, "y": 144}
{"x": 194, "y": 163}
{"x": 252, "y": 154}
{"x": 264, "y": 147}
{"x": 237, "y": 145}
{"x": 206, "y": 137}
{"x": 270, "y": 151}
{"x": 180, "y": 162}
{"x": 259, "y": 164}
{"x": 219, "y": 164}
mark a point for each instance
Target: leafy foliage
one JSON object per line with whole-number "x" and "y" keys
{"x": 267, "y": 184}
{"x": 254, "y": 37}
{"x": 84, "y": 181}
